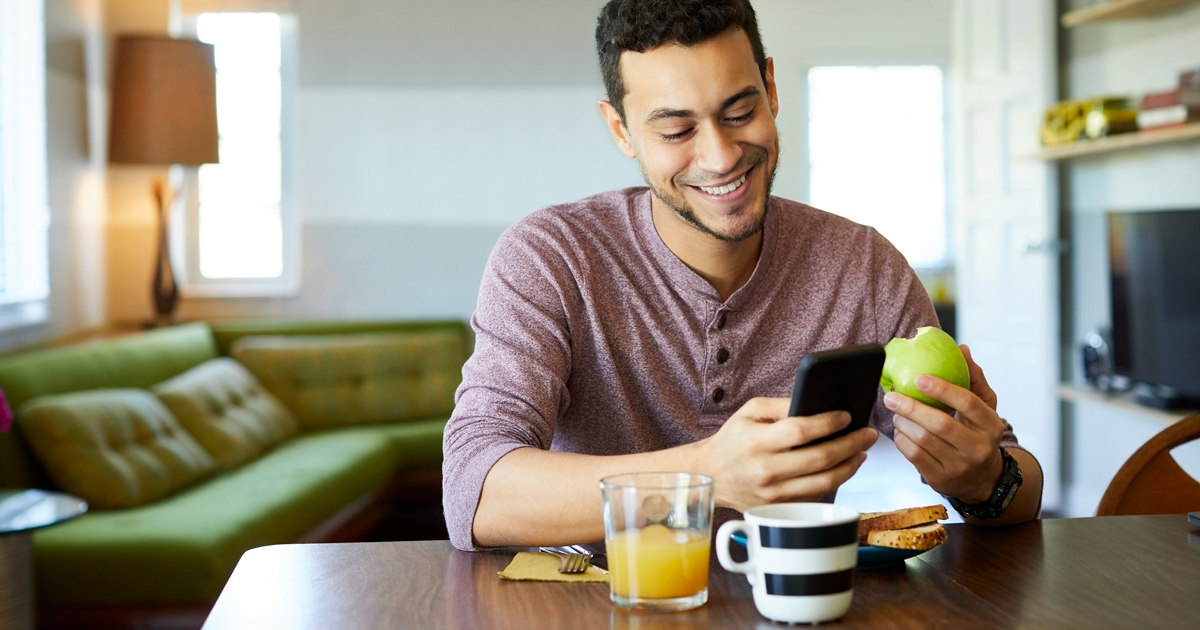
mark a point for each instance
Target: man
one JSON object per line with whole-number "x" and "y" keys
{"x": 659, "y": 329}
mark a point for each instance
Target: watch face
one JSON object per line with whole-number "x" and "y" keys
{"x": 1008, "y": 496}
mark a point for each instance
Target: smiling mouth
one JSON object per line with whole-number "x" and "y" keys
{"x": 717, "y": 191}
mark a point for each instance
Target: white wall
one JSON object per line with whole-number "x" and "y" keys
{"x": 425, "y": 129}
{"x": 76, "y": 171}
{"x": 451, "y": 156}
{"x": 1130, "y": 57}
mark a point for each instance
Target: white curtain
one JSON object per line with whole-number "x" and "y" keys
{"x": 24, "y": 214}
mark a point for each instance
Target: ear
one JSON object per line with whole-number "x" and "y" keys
{"x": 772, "y": 93}
{"x": 617, "y": 128}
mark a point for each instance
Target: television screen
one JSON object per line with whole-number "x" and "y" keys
{"x": 1155, "y": 273}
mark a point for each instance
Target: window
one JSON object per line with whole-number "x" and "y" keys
{"x": 239, "y": 236}
{"x": 24, "y": 213}
{"x": 876, "y": 153}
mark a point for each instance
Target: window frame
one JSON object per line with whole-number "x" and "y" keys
{"x": 185, "y": 219}
{"x": 891, "y": 57}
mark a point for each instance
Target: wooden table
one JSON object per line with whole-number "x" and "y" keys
{"x": 1112, "y": 572}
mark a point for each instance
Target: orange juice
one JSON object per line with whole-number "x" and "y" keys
{"x": 658, "y": 563}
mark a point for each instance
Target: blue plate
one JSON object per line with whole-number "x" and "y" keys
{"x": 868, "y": 557}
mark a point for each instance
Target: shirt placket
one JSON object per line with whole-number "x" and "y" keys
{"x": 718, "y": 375}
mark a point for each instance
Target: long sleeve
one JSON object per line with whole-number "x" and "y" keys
{"x": 514, "y": 385}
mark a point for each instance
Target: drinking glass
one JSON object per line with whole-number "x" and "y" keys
{"x": 657, "y": 530}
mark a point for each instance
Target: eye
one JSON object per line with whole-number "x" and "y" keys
{"x": 676, "y": 136}
{"x": 740, "y": 119}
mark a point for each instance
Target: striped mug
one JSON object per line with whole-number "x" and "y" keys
{"x": 801, "y": 559}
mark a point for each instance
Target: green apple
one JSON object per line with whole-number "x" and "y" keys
{"x": 931, "y": 352}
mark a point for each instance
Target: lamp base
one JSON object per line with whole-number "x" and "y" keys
{"x": 164, "y": 291}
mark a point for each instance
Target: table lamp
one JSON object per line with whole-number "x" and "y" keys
{"x": 164, "y": 111}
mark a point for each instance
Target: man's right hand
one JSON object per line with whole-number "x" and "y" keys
{"x": 759, "y": 455}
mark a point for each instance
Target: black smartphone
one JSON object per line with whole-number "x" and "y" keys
{"x": 845, "y": 379}
{"x": 1194, "y": 518}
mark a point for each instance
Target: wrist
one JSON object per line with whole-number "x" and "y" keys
{"x": 983, "y": 493}
{"x": 695, "y": 458}
{"x": 1003, "y": 494}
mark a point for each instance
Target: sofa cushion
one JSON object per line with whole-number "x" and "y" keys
{"x": 337, "y": 380}
{"x": 183, "y": 549}
{"x": 115, "y": 448}
{"x": 418, "y": 443}
{"x": 227, "y": 331}
{"x": 228, "y": 411}
{"x": 136, "y": 360}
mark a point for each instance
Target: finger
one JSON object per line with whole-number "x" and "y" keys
{"x": 979, "y": 383}
{"x": 932, "y": 420}
{"x": 764, "y": 409}
{"x": 808, "y": 460}
{"x": 928, "y": 465}
{"x": 818, "y": 484}
{"x": 970, "y": 406}
{"x": 789, "y": 433}
{"x": 933, "y": 444}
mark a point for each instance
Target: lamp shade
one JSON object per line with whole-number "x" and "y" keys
{"x": 164, "y": 102}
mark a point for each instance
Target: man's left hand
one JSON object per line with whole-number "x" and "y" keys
{"x": 958, "y": 456}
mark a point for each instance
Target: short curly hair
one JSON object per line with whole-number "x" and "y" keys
{"x": 641, "y": 25}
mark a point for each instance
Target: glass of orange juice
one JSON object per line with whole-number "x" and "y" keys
{"x": 657, "y": 528}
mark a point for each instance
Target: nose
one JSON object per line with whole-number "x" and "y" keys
{"x": 717, "y": 151}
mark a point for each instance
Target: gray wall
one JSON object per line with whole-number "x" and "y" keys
{"x": 1120, "y": 58}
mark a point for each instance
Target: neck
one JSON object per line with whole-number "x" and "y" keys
{"x": 724, "y": 265}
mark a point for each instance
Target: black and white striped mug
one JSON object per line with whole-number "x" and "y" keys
{"x": 801, "y": 559}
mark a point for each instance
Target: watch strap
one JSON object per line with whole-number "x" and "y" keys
{"x": 1001, "y": 497}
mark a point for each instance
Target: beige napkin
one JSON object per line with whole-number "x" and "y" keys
{"x": 543, "y": 567}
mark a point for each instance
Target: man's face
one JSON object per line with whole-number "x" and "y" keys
{"x": 701, "y": 123}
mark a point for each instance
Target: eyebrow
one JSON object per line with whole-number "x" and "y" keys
{"x": 664, "y": 112}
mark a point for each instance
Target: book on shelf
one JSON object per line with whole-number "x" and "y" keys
{"x": 1170, "y": 108}
{"x": 1169, "y": 116}
{"x": 1180, "y": 96}
{"x": 1190, "y": 78}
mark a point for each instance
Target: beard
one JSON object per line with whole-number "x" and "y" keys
{"x": 677, "y": 203}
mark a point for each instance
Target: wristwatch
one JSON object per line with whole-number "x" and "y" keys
{"x": 1001, "y": 496}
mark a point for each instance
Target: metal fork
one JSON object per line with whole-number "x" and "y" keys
{"x": 572, "y": 559}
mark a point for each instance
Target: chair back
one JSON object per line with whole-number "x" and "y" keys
{"x": 1151, "y": 482}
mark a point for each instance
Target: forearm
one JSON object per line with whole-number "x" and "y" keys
{"x": 1025, "y": 504}
{"x": 533, "y": 497}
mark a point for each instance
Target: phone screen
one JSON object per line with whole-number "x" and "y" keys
{"x": 845, "y": 379}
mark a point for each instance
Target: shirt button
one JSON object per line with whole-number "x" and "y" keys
{"x": 721, "y": 322}
{"x": 718, "y": 395}
{"x": 722, "y": 355}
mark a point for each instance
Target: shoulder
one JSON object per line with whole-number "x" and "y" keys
{"x": 831, "y": 236}
{"x": 561, "y": 241}
{"x": 598, "y": 222}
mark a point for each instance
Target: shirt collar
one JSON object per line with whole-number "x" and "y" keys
{"x": 680, "y": 275}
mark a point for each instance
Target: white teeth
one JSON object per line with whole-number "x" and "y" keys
{"x": 726, "y": 189}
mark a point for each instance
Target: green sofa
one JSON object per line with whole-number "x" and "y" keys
{"x": 180, "y": 550}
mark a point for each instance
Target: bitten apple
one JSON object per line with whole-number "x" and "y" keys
{"x": 931, "y": 352}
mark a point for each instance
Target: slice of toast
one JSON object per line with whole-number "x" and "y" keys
{"x": 921, "y": 537}
{"x": 898, "y": 519}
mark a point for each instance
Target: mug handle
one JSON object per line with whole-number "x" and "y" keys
{"x": 724, "y": 537}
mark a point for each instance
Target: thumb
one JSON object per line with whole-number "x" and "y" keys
{"x": 979, "y": 384}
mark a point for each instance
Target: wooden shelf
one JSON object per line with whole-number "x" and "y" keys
{"x": 1120, "y": 142}
{"x": 1122, "y": 401}
{"x": 1122, "y": 10}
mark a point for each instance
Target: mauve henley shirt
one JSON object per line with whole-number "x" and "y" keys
{"x": 593, "y": 337}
